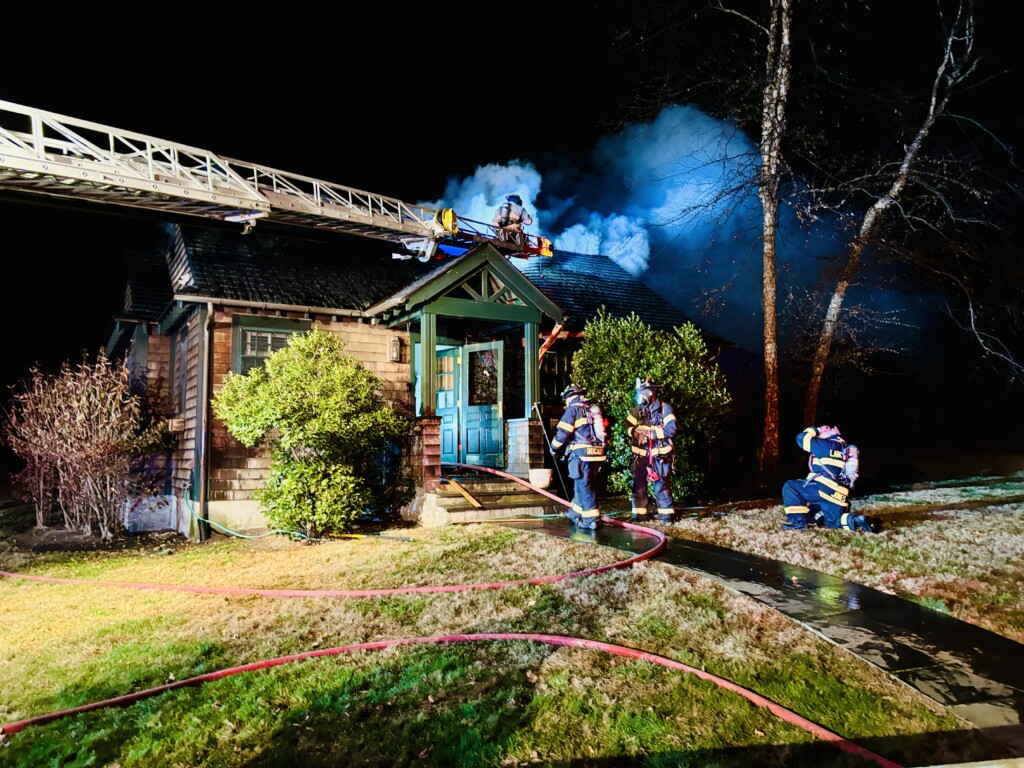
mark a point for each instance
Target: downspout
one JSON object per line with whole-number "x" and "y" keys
{"x": 204, "y": 431}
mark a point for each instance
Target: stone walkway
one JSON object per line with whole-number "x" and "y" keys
{"x": 978, "y": 674}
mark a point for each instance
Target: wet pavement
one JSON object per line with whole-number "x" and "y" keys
{"x": 978, "y": 674}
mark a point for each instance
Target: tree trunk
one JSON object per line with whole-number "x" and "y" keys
{"x": 772, "y": 126}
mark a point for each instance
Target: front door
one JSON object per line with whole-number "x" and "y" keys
{"x": 446, "y": 401}
{"x": 483, "y": 428}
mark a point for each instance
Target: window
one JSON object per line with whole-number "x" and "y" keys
{"x": 257, "y": 346}
{"x": 256, "y": 338}
{"x": 179, "y": 376}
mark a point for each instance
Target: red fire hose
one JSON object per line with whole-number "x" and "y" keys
{"x": 779, "y": 711}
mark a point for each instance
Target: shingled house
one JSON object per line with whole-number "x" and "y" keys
{"x": 466, "y": 344}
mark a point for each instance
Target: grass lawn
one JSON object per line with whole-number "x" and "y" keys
{"x": 495, "y": 703}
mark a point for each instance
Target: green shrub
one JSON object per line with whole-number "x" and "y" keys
{"x": 615, "y": 352}
{"x": 334, "y": 441}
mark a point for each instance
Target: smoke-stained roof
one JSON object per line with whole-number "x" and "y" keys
{"x": 581, "y": 284}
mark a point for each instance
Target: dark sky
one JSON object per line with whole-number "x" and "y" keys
{"x": 394, "y": 104}
{"x": 426, "y": 106}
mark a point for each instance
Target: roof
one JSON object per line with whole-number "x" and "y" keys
{"x": 348, "y": 275}
{"x": 581, "y": 284}
{"x": 147, "y": 286}
{"x": 281, "y": 270}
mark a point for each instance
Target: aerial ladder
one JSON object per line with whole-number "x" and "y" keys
{"x": 47, "y": 154}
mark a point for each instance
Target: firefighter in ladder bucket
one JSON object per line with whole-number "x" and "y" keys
{"x": 651, "y": 426}
{"x": 581, "y": 435}
{"x": 823, "y": 497}
{"x": 510, "y": 218}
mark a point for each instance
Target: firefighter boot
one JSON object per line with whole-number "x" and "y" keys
{"x": 795, "y": 521}
{"x": 665, "y": 517}
{"x": 586, "y": 523}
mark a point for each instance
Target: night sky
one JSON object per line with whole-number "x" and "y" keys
{"x": 437, "y": 110}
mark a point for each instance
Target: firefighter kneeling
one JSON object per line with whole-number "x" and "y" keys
{"x": 822, "y": 498}
{"x": 581, "y": 433}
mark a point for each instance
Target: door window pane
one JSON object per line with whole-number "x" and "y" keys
{"x": 483, "y": 378}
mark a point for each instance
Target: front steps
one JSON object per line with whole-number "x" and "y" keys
{"x": 496, "y": 497}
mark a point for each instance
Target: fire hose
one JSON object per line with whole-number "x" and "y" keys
{"x": 779, "y": 711}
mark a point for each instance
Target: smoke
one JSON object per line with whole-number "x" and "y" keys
{"x": 673, "y": 202}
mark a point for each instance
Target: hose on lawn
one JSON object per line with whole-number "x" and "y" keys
{"x": 778, "y": 710}
{"x": 786, "y": 715}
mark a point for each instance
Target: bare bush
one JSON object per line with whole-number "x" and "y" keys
{"x": 84, "y": 436}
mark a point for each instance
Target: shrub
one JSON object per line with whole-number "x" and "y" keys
{"x": 690, "y": 382}
{"x": 84, "y": 437}
{"x": 332, "y": 437}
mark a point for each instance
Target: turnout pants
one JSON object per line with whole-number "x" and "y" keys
{"x": 584, "y": 474}
{"x": 802, "y": 498}
{"x": 662, "y": 489}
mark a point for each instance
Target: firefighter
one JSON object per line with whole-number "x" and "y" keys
{"x": 823, "y": 496}
{"x": 580, "y": 436}
{"x": 651, "y": 426}
{"x": 510, "y": 218}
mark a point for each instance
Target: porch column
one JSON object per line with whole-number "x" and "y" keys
{"x": 428, "y": 362}
{"x": 531, "y": 348}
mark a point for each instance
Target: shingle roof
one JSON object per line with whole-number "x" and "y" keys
{"x": 581, "y": 284}
{"x": 280, "y": 270}
{"x": 147, "y": 286}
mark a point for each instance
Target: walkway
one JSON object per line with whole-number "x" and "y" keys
{"x": 978, "y": 674}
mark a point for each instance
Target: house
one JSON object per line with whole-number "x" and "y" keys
{"x": 466, "y": 344}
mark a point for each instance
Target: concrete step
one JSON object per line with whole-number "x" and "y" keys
{"x": 492, "y": 499}
{"x": 467, "y": 514}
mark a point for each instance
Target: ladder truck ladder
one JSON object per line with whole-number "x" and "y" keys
{"x": 44, "y": 153}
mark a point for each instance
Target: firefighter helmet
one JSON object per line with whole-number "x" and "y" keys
{"x": 514, "y": 199}
{"x": 573, "y": 390}
{"x": 647, "y": 384}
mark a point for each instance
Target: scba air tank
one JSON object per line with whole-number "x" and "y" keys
{"x": 597, "y": 421}
{"x": 852, "y": 468}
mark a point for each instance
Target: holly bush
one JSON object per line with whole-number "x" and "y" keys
{"x": 617, "y": 350}
{"x": 333, "y": 438}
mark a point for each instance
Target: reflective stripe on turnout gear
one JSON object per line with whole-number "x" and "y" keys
{"x": 586, "y": 452}
{"x": 839, "y": 493}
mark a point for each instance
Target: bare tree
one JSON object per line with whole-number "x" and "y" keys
{"x": 956, "y": 66}
{"x": 766, "y": 171}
